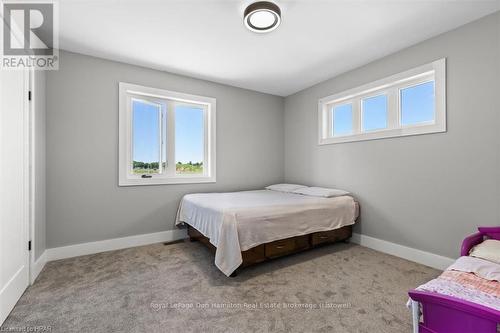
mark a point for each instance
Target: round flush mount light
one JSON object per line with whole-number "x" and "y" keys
{"x": 262, "y": 16}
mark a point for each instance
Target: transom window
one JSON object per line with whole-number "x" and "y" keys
{"x": 342, "y": 119}
{"x": 408, "y": 103}
{"x": 374, "y": 113}
{"x": 165, "y": 137}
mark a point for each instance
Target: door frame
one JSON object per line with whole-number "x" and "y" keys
{"x": 27, "y": 166}
{"x": 32, "y": 170}
{"x": 36, "y": 112}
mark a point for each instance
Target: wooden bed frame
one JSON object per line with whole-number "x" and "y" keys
{"x": 282, "y": 247}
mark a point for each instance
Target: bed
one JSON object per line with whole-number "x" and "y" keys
{"x": 249, "y": 227}
{"x": 465, "y": 297}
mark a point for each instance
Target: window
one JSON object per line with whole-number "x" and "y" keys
{"x": 147, "y": 137}
{"x": 374, "y": 113}
{"x": 417, "y": 104}
{"x": 408, "y": 103}
{"x": 342, "y": 120}
{"x": 189, "y": 140}
{"x": 165, "y": 137}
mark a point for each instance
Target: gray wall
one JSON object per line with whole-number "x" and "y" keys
{"x": 425, "y": 192}
{"x": 39, "y": 166}
{"x": 84, "y": 202}
{"x": 428, "y": 191}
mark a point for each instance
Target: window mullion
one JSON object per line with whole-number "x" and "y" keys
{"x": 206, "y": 142}
{"x": 328, "y": 115}
{"x": 130, "y": 137}
{"x": 393, "y": 113}
{"x": 356, "y": 116}
{"x": 161, "y": 128}
{"x": 170, "y": 170}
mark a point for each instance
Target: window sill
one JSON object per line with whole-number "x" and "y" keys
{"x": 383, "y": 134}
{"x": 166, "y": 181}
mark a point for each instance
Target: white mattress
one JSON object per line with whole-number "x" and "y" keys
{"x": 238, "y": 221}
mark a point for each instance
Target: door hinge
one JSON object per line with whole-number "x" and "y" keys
{"x": 29, "y": 245}
{"x": 29, "y": 95}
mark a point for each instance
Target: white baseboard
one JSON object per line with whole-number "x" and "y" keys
{"x": 11, "y": 292}
{"x": 37, "y": 266}
{"x": 408, "y": 253}
{"x": 419, "y": 256}
{"x": 113, "y": 244}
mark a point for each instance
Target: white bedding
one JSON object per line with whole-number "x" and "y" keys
{"x": 483, "y": 268}
{"x": 238, "y": 221}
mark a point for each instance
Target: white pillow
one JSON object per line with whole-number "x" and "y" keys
{"x": 321, "y": 192}
{"x": 488, "y": 250}
{"x": 285, "y": 187}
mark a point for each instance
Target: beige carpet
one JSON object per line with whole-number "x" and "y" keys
{"x": 176, "y": 288}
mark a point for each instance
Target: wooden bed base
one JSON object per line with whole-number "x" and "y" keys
{"x": 280, "y": 247}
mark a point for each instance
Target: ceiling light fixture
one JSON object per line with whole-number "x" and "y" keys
{"x": 262, "y": 16}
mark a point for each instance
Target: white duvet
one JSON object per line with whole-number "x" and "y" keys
{"x": 238, "y": 221}
{"x": 483, "y": 268}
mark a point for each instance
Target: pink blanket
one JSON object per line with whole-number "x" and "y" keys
{"x": 465, "y": 281}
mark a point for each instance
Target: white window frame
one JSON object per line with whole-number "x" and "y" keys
{"x": 126, "y": 177}
{"x": 390, "y": 86}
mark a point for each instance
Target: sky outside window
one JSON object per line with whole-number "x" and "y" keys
{"x": 375, "y": 113}
{"x": 189, "y": 137}
{"x": 146, "y": 132}
{"x": 418, "y": 104}
{"x": 342, "y": 119}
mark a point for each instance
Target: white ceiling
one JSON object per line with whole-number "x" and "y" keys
{"x": 207, "y": 39}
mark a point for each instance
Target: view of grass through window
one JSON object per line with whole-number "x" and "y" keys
{"x": 148, "y": 133}
{"x": 146, "y": 143}
{"x": 189, "y": 145}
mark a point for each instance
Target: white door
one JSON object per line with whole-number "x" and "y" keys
{"x": 14, "y": 188}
